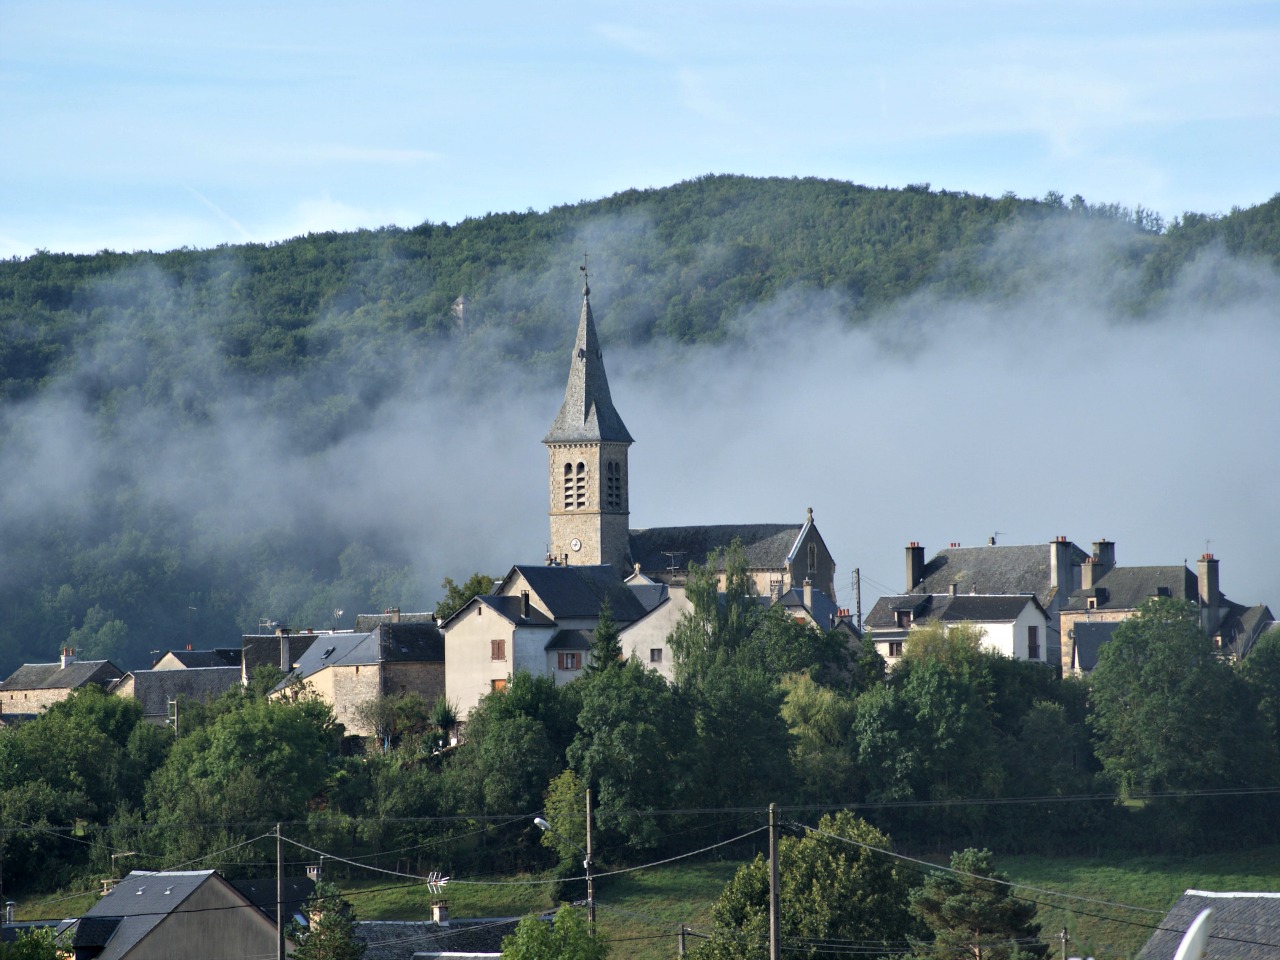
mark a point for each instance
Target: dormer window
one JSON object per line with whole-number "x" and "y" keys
{"x": 904, "y": 619}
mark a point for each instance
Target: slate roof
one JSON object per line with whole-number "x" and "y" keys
{"x": 225, "y": 657}
{"x": 155, "y": 688}
{"x": 367, "y": 621}
{"x": 137, "y": 905}
{"x": 403, "y": 939}
{"x": 1127, "y": 587}
{"x": 577, "y": 591}
{"x": 390, "y": 642}
{"x": 825, "y": 613}
{"x": 570, "y": 640}
{"x": 765, "y": 546}
{"x": 996, "y": 569}
{"x": 1088, "y": 638}
{"x": 262, "y": 894}
{"x": 510, "y": 607}
{"x": 977, "y": 608}
{"x": 1244, "y": 926}
{"x": 587, "y": 414}
{"x": 54, "y": 676}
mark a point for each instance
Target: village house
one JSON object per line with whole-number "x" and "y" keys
{"x": 1109, "y": 594}
{"x": 348, "y": 669}
{"x": 174, "y": 913}
{"x": 1014, "y": 625}
{"x": 158, "y": 691}
{"x": 34, "y": 687}
{"x": 1050, "y": 572}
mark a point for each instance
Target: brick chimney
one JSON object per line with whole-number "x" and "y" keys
{"x": 67, "y": 658}
{"x": 1210, "y": 596}
{"x": 915, "y": 565}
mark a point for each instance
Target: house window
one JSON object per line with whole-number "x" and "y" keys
{"x": 497, "y": 649}
{"x": 1033, "y": 643}
{"x": 895, "y": 648}
{"x": 655, "y": 654}
{"x": 569, "y": 661}
{"x": 496, "y": 685}
{"x": 1091, "y": 603}
{"x": 904, "y": 619}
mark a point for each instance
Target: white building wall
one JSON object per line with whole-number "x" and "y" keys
{"x": 641, "y": 638}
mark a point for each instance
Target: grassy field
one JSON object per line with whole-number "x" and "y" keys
{"x": 641, "y": 912}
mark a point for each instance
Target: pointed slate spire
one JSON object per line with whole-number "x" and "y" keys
{"x": 587, "y": 414}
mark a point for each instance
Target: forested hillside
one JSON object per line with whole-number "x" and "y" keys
{"x": 138, "y": 510}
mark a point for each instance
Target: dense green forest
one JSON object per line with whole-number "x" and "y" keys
{"x": 136, "y": 510}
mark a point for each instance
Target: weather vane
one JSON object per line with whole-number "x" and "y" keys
{"x": 586, "y": 284}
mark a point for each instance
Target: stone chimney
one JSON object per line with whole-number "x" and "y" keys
{"x": 67, "y": 658}
{"x": 286, "y": 662}
{"x": 1210, "y": 595}
{"x": 1090, "y": 573}
{"x": 1060, "y": 572}
{"x": 808, "y": 594}
{"x": 393, "y": 613}
{"x": 440, "y": 913}
{"x": 915, "y": 565}
{"x": 1104, "y": 553}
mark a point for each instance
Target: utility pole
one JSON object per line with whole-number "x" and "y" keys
{"x": 775, "y": 901}
{"x": 586, "y": 864}
{"x": 1065, "y": 938}
{"x": 279, "y": 895}
{"x": 857, "y": 594}
{"x": 681, "y": 941}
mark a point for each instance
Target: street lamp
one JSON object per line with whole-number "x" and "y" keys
{"x": 542, "y": 824}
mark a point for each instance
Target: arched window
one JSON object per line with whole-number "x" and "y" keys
{"x": 813, "y": 557}
{"x": 580, "y": 486}
{"x": 568, "y": 486}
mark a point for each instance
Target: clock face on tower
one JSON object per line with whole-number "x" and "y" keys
{"x": 576, "y": 544}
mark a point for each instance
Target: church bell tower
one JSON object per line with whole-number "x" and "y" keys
{"x": 587, "y": 455}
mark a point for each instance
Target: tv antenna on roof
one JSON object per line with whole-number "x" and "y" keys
{"x": 671, "y": 555}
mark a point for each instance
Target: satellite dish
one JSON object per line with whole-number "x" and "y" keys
{"x": 1196, "y": 939}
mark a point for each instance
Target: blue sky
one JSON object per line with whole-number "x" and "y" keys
{"x": 154, "y": 125}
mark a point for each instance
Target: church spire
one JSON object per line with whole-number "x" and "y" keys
{"x": 587, "y": 414}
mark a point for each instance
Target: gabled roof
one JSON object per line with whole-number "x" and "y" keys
{"x": 510, "y": 608}
{"x": 766, "y": 546}
{"x": 390, "y": 642}
{"x": 138, "y": 904}
{"x": 570, "y": 640}
{"x": 997, "y": 569}
{"x": 825, "y": 612}
{"x": 1126, "y": 587}
{"x": 368, "y": 621}
{"x": 226, "y": 657}
{"x": 1088, "y": 638}
{"x": 262, "y": 894}
{"x": 1244, "y": 926}
{"x": 975, "y": 608}
{"x": 400, "y": 939}
{"x": 54, "y": 676}
{"x": 587, "y": 414}
{"x": 572, "y": 592}
{"x": 155, "y": 688}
